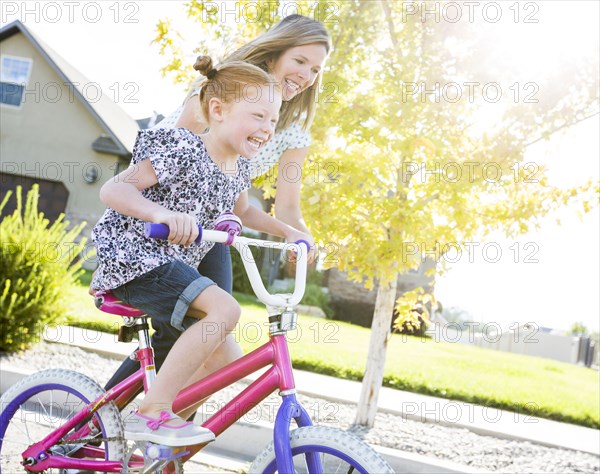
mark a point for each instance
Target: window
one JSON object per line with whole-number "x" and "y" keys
{"x": 14, "y": 74}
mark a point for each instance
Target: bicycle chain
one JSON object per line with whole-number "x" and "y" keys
{"x": 87, "y": 440}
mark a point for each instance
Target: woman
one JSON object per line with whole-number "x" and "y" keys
{"x": 294, "y": 52}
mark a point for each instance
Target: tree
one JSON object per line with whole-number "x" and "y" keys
{"x": 579, "y": 329}
{"x": 415, "y": 172}
{"x": 401, "y": 167}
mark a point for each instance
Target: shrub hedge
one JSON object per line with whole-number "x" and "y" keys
{"x": 38, "y": 260}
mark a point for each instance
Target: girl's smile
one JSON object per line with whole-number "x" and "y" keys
{"x": 244, "y": 126}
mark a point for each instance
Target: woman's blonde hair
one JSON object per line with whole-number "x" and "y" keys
{"x": 290, "y": 32}
{"x": 230, "y": 81}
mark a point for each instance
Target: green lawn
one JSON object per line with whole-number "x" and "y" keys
{"x": 529, "y": 385}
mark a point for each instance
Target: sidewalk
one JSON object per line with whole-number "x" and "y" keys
{"x": 228, "y": 453}
{"x": 410, "y": 406}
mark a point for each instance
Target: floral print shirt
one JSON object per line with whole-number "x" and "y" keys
{"x": 289, "y": 138}
{"x": 189, "y": 181}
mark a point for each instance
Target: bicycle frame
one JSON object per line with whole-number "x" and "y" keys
{"x": 273, "y": 354}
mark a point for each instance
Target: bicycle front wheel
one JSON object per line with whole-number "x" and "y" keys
{"x": 338, "y": 450}
{"x": 40, "y": 403}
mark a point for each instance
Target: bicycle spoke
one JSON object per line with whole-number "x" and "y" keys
{"x": 44, "y": 408}
{"x": 26, "y": 425}
{"x": 29, "y": 419}
{"x": 15, "y": 443}
{"x": 73, "y": 410}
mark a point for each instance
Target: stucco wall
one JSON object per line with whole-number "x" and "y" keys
{"x": 50, "y": 136}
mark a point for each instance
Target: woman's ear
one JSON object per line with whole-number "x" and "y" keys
{"x": 215, "y": 110}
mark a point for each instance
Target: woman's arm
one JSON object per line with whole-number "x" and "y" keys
{"x": 123, "y": 194}
{"x": 191, "y": 116}
{"x": 287, "y": 198}
{"x": 260, "y": 221}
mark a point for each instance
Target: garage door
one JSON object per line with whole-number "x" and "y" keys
{"x": 53, "y": 194}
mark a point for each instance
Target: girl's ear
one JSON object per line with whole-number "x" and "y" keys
{"x": 215, "y": 109}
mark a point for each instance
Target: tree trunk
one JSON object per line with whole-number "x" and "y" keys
{"x": 380, "y": 333}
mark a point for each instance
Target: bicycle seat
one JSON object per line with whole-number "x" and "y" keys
{"x": 109, "y": 303}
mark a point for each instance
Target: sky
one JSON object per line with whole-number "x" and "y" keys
{"x": 550, "y": 277}
{"x": 109, "y": 42}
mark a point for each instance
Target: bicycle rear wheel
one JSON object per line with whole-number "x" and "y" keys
{"x": 40, "y": 403}
{"x": 338, "y": 450}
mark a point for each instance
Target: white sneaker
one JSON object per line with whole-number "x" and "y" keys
{"x": 144, "y": 428}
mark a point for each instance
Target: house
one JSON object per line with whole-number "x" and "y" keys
{"x": 353, "y": 303}
{"x": 58, "y": 129}
{"x": 526, "y": 339}
{"x": 150, "y": 122}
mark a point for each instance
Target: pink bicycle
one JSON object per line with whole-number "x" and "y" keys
{"x": 62, "y": 421}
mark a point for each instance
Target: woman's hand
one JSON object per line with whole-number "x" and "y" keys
{"x": 183, "y": 228}
{"x": 293, "y": 235}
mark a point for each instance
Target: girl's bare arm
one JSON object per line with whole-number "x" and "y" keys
{"x": 123, "y": 194}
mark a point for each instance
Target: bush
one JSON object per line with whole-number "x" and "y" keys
{"x": 413, "y": 310}
{"x": 315, "y": 295}
{"x": 38, "y": 261}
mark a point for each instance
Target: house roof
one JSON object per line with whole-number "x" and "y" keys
{"x": 149, "y": 122}
{"x": 119, "y": 128}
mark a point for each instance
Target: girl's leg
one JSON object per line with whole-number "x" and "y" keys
{"x": 216, "y": 265}
{"x": 226, "y": 353}
{"x": 193, "y": 347}
{"x": 165, "y": 292}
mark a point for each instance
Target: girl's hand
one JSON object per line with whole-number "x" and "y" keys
{"x": 294, "y": 235}
{"x": 183, "y": 228}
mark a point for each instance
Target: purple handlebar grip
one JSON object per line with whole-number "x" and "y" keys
{"x": 302, "y": 241}
{"x": 161, "y": 231}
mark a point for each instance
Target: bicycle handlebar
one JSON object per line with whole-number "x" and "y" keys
{"x": 241, "y": 244}
{"x": 161, "y": 231}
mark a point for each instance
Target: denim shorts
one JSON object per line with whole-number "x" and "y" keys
{"x": 165, "y": 293}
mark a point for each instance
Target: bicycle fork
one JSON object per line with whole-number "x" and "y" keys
{"x": 290, "y": 410}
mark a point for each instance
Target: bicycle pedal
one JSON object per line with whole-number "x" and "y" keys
{"x": 158, "y": 452}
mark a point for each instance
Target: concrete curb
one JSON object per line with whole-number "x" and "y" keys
{"x": 239, "y": 445}
{"x": 235, "y": 449}
{"x": 257, "y": 435}
{"x": 410, "y": 406}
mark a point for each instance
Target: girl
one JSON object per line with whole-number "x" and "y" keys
{"x": 183, "y": 179}
{"x": 294, "y": 51}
